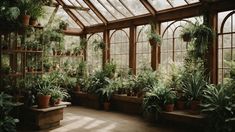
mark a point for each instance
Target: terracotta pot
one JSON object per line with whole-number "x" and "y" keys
{"x": 25, "y": 20}
{"x": 77, "y": 88}
{"x": 30, "y": 69}
{"x": 107, "y": 106}
{"x": 43, "y": 101}
{"x": 180, "y": 105}
{"x": 195, "y": 105}
{"x": 152, "y": 42}
{"x": 58, "y": 101}
{"x": 33, "y": 22}
{"x": 169, "y": 107}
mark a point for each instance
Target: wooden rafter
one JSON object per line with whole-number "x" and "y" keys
{"x": 88, "y": 12}
{"x": 170, "y": 3}
{"x": 53, "y": 15}
{"x": 80, "y": 13}
{"x": 70, "y": 13}
{"x": 76, "y": 7}
{"x": 148, "y": 6}
{"x": 95, "y": 10}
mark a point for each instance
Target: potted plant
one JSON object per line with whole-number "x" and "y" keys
{"x": 57, "y": 95}
{"x": 81, "y": 74}
{"x": 187, "y": 33}
{"x": 169, "y": 97}
{"x": 44, "y": 87}
{"x": 25, "y": 8}
{"x": 36, "y": 11}
{"x": 68, "y": 52}
{"x": 106, "y": 94}
{"x": 153, "y": 38}
{"x": 98, "y": 44}
{"x": 63, "y": 25}
{"x": 181, "y": 102}
{"x": 193, "y": 85}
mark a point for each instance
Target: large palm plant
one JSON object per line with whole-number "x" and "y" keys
{"x": 219, "y": 105}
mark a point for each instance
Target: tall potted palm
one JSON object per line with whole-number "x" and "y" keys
{"x": 25, "y": 7}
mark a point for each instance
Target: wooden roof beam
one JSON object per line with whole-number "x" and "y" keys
{"x": 76, "y": 7}
{"x": 70, "y": 13}
{"x": 149, "y": 7}
{"x": 95, "y": 10}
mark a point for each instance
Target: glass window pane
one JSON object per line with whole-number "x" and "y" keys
{"x": 135, "y": 6}
{"x": 160, "y": 4}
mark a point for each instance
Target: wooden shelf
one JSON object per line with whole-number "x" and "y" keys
{"x": 9, "y": 51}
{"x": 12, "y": 74}
{"x": 35, "y": 72}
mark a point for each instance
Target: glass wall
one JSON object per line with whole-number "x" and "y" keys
{"x": 119, "y": 48}
{"x": 94, "y": 57}
{"x": 226, "y": 42}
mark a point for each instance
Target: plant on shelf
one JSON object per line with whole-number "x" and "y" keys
{"x": 57, "y": 95}
{"x": 63, "y": 25}
{"x": 7, "y": 123}
{"x": 36, "y": 11}
{"x": 25, "y": 7}
{"x": 193, "y": 83}
{"x": 110, "y": 69}
{"x": 105, "y": 94}
{"x": 219, "y": 106}
{"x": 59, "y": 49}
{"x": 5, "y": 69}
{"x": 68, "y": 52}
{"x": 98, "y": 44}
{"x": 169, "y": 97}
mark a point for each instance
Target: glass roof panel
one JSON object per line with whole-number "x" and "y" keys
{"x": 135, "y": 6}
{"x": 82, "y": 18}
{"x": 176, "y": 3}
{"x": 164, "y": 4}
{"x": 124, "y": 10}
{"x": 160, "y": 4}
{"x": 192, "y": 1}
{"x": 62, "y": 15}
{"x": 102, "y": 10}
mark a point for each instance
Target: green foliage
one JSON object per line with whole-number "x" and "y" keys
{"x": 193, "y": 83}
{"x": 219, "y": 105}
{"x": 7, "y": 123}
{"x": 107, "y": 91}
{"x": 98, "y": 44}
{"x": 63, "y": 25}
{"x": 44, "y": 86}
{"x": 36, "y": 10}
{"x": 58, "y": 93}
{"x": 25, "y": 6}
{"x": 109, "y": 69}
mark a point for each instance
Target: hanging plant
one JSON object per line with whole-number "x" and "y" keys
{"x": 83, "y": 43}
{"x": 98, "y": 44}
{"x": 154, "y": 38}
{"x": 187, "y": 33}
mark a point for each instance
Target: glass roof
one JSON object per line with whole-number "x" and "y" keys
{"x": 167, "y": 4}
{"x": 115, "y": 9}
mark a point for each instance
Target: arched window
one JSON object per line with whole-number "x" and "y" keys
{"x": 173, "y": 48}
{"x": 143, "y": 48}
{"x": 119, "y": 48}
{"x": 94, "y": 57}
{"x": 226, "y": 42}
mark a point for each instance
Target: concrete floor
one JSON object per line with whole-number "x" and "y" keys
{"x": 80, "y": 119}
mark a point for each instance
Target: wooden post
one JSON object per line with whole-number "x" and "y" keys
{"x": 212, "y": 49}
{"x": 155, "y": 50}
{"x": 84, "y": 51}
{"x": 106, "y": 51}
{"x": 132, "y": 49}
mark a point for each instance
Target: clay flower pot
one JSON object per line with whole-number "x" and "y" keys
{"x": 195, "y": 105}
{"x": 169, "y": 107}
{"x": 25, "y": 20}
{"x": 180, "y": 105}
{"x": 43, "y": 101}
{"x": 152, "y": 42}
{"x": 186, "y": 37}
{"x": 107, "y": 106}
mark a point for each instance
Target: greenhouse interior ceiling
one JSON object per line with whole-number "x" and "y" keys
{"x": 117, "y": 65}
